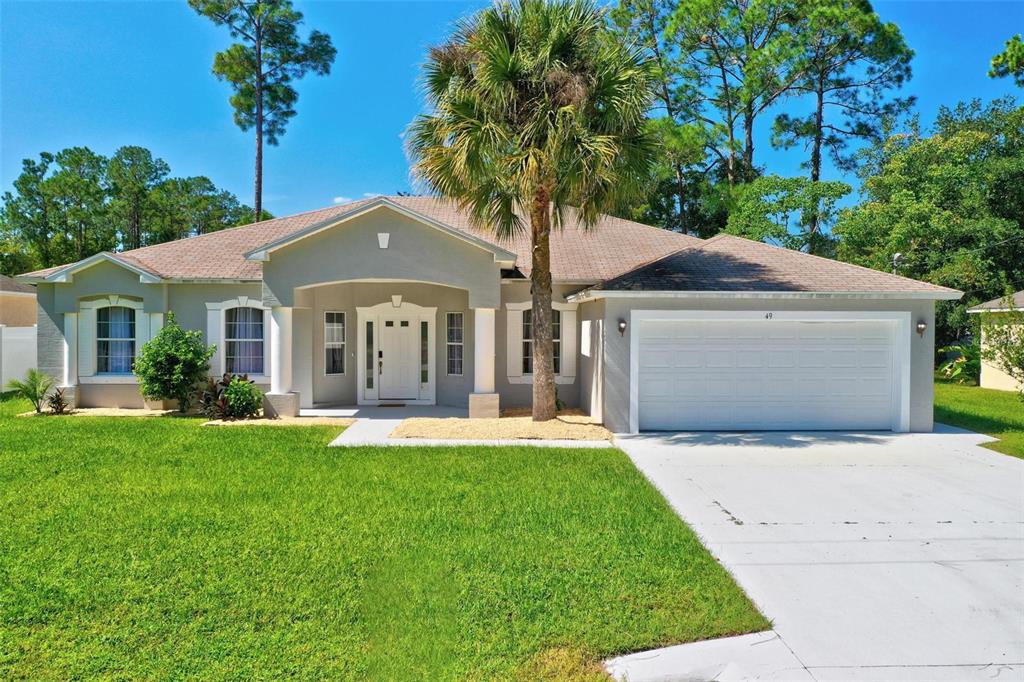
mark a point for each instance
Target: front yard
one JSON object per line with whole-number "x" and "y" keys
{"x": 155, "y": 548}
{"x": 997, "y": 413}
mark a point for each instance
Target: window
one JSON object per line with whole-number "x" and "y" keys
{"x": 115, "y": 340}
{"x": 369, "y": 355}
{"x": 424, "y": 352}
{"x": 556, "y": 338}
{"x": 334, "y": 343}
{"x": 243, "y": 335}
{"x": 455, "y": 344}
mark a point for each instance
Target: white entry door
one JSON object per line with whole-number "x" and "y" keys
{"x": 696, "y": 375}
{"x": 398, "y": 363}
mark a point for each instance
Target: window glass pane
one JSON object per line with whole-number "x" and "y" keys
{"x": 454, "y": 327}
{"x": 455, "y": 359}
{"x": 334, "y": 360}
{"x": 243, "y": 346}
{"x": 424, "y": 353}
{"x": 369, "y": 354}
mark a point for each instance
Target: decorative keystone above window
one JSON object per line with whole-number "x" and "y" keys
{"x": 383, "y": 238}
{"x": 396, "y": 300}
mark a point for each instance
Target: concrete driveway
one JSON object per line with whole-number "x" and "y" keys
{"x": 876, "y": 556}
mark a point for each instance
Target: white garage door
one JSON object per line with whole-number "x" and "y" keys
{"x": 698, "y": 375}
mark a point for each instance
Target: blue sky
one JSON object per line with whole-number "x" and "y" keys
{"x": 106, "y": 74}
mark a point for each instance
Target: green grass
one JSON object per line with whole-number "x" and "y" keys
{"x": 159, "y": 549}
{"x": 999, "y": 414}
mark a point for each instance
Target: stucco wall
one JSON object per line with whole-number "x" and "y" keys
{"x": 521, "y": 394}
{"x": 350, "y": 251}
{"x": 108, "y": 278}
{"x": 49, "y": 333}
{"x": 616, "y": 369}
{"x": 591, "y": 366}
{"x": 341, "y": 389}
{"x": 188, "y": 301}
{"x": 17, "y": 310}
{"x": 995, "y": 378}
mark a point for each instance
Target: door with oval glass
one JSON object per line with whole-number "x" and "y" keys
{"x": 398, "y": 361}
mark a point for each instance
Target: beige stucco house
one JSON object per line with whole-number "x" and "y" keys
{"x": 991, "y": 375}
{"x": 17, "y": 329}
{"x": 402, "y": 300}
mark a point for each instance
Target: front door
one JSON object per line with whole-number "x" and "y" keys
{"x": 398, "y": 362}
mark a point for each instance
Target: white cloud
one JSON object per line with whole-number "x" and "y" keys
{"x": 342, "y": 200}
{"x": 370, "y": 195}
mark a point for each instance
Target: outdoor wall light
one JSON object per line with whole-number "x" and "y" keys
{"x": 622, "y": 327}
{"x": 921, "y": 326}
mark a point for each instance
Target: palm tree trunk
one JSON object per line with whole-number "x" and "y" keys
{"x": 540, "y": 279}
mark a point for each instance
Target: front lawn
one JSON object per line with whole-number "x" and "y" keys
{"x": 999, "y": 414}
{"x": 156, "y": 548}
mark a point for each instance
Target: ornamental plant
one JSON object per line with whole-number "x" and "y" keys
{"x": 233, "y": 396}
{"x": 172, "y": 363}
{"x": 34, "y": 388}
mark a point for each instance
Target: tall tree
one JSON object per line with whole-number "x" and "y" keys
{"x": 79, "y": 195}
{"x": 1010, "y": 62}
{"x": 788, "y": 212}
{"x": 536, "y": 107}
{"x": 740, "y": 58}
{"x": 262, "y": 67}
{"x": 27, "y": 216}
{"x": 850, "y": 61}
{"x": 952, "y": 204}
{"x": 132, "y": 173}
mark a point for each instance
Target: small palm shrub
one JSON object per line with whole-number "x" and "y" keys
{"x": 34, "y": 388}
{"x": 172, "y": 363}
{"x": 963, "y": 365}
{"x": 57, "y": 403}
{"x": 230, "y": 397}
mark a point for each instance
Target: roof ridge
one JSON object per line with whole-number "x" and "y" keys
{"x": 830, "y": 260}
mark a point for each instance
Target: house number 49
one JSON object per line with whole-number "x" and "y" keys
{"x": 768, "y": 316}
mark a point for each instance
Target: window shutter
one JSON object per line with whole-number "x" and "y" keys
{"x": 514, "y": 343}
{"x": 87, "y": 342}
{"x": 569, "y": 349}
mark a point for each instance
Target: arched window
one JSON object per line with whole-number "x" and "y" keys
{"x": 243, "y": 341}
{"x": 115, "y": 340}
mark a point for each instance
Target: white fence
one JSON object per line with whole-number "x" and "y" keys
{"x": 17, "y": 352}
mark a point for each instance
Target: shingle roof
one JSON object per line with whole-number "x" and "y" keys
{"x": 1000, "y": 303}
{"x": 733, "y": 264}
{"x": 612, "y": 247}
{"x": 11, "y": 285}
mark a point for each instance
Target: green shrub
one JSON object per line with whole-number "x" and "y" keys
{"x": 963, "y": 365}
{"x": 34, "y": 388}
{"x": 244, "y": 399}
{"x": 172, "y": 363}
{"x": 231, "y": 397}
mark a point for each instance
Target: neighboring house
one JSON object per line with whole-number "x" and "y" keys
{"x": 17, "y": 329}
{"x": 992, "y": 376}
{"x": 400, "y": 300}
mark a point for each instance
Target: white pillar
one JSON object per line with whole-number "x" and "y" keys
{"x": 483, "y": 350}
{"x": 70, "y": 377}
{"x": 280, "y": 350}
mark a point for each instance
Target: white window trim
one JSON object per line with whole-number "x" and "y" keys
{"x": 514, "y": 342}
{"x": 343, "y": 344}
{"x": 216, "y": 334}
{"x": 454, "y": 343}
{"x": 145, "y": 326}
{"x": 902, "y": 352}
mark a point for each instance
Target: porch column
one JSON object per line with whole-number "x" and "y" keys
{"x": 484, "y": 401}
{"x": 281, "y": 401}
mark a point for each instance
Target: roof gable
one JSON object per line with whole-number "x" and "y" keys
{"x": 66, "y": 273}
{"x": 263, "y": 252}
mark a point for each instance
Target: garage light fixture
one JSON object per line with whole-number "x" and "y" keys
{"x": 622, "y": 327}
{"x": 921, "y": 326}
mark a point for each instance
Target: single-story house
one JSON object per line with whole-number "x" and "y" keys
{"x": 402, "y": 300}
{"x": 17, "y": 329}
{"x": 991, "y": 375}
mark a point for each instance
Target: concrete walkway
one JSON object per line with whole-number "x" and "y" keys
{"x": 877, "y": 556}
{"x": 374, "y": 425}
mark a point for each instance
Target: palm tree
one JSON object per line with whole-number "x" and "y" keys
{"x": 537, "y": 109}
